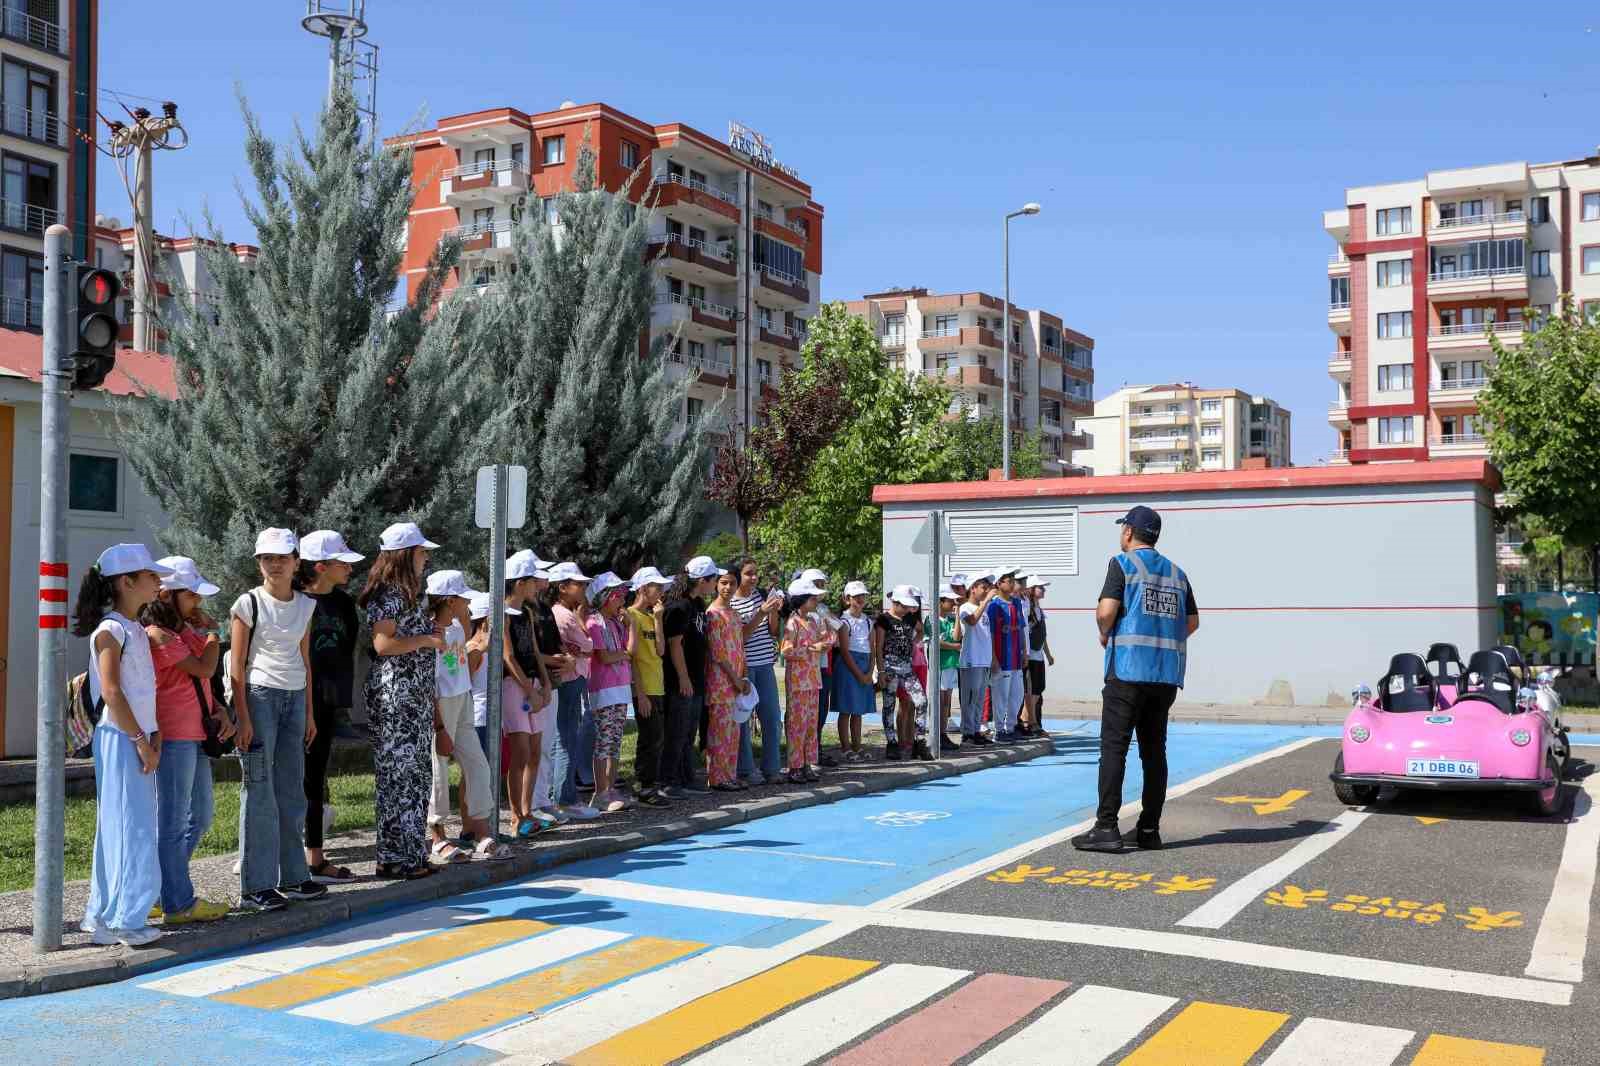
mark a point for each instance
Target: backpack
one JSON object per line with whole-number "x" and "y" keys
{"x": 82, "y": 714}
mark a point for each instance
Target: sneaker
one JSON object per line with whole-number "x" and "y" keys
{"x": 1099, "y": 839}
{"x": 128, "y": 938}
{"x": 304, "y": 890}
{"x": 756, "y": 778}
{"x": 694, "y": 788}
{"x": 260, "y": 902}
{"x": 582, "y": 812}
{"x": 652, "y": 798}
{"x": 1005, "y": 738}
{"x": 201, "y": 910}
{"x": 155, "y": 913}
{"x": 921, "y": 751}
{"x": 891, "y": 751}
{"x": 946, "y": 742}
{"x": 551, "y": 816}
{"x": 1143, "y": 839}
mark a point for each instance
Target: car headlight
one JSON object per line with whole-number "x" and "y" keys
{"x": 1360, "y": 734}
{"x": 1520, "y": 737}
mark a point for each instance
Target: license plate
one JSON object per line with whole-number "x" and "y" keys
{"x": 1441, "y": 768}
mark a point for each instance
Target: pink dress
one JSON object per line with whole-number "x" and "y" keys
{"x": 724, "y": 644}
{"x": 802, "y": 676}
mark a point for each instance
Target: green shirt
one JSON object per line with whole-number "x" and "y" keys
{"x": 949, "y": 658}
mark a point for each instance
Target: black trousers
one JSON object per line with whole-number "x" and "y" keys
{"x": 652, "y": 731}
{"x": 316, "y": 776}
{"x": 1130, "y": 709}
{"x": 677, "y": 758}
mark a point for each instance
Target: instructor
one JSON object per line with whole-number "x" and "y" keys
{"x": 1146, "y": 615}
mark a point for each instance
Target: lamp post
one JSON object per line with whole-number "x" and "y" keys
{"x": 1005, "y": 348}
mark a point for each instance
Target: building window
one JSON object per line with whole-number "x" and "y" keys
{"x": 944, "y": 325}
{"x": 894, "y": 329}
{"x": 1394, "y": 324}
{"x": 1392, "y": 272}
{"x": 27, "y": 194}
{"x": 1211, "y": 455}
{"x": 696, "y": 408}
{"x": 1590, "y": 309}
{"x": 1591, "y": 259}
{"x": 778, "y": 256}
{"x": 629, "y": 154}
{"x": 1211, "y": 407}
{"x": 555, "y": 150}
{"x": 1541, "y": 209}
{"x": 1394, "y": 220}
{"x": 518, "y": 156}
{"x": 29, "y": 98}
{"x": 1591, "y": 206}
{"x": 552, "y": 211}
{"x": 92, "y": 483}
{"x": 1339, "y": 292}
{"x": 1395, "y": 378}
{"x": 22, "y": 278}
{"x": 1539, "y": 264}
{"x": 1394, "y": 430}
{"x": 764, "y": 371}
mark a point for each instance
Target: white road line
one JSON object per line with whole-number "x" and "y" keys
{"x": 1223, "y": 907}
{"x": 353, "y": 940}
{"x": 1563, "y": 937}
{"x": 426, "y": 987}
{"x": 805, "y": 855}
{"x": 943, "y": 882}
{"x": 1085, "y": 1029}
{"x": 1320, "y": 1042}
{"x": 1187, "y": 945}
{"x": 811, "y": 1031}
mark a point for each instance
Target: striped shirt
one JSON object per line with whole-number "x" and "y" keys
{"x": 759, "y": 648}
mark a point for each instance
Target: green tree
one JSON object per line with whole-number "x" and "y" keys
{"x": 300, "y": 403}
{"x": 974, "y": 441}
{"x": 1541, "y": 408}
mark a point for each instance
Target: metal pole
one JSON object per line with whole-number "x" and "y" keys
{"x": 50, "y": 783}
{"x": 936, "y": 705}
{"x": 143, "y": 244}
{"x": 334, "y": 33}
{"x": 1005, "y": 367}
{"x": 497, "y": 622}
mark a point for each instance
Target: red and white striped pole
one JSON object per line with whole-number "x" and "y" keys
{"x": 53, "y": 596}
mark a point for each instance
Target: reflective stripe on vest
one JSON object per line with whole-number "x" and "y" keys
{"x": 1150, "y": 641}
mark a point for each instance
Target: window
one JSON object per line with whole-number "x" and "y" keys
{"x": 29, "y": 98}
{"x": 775, "y": 255}
{"x": 483, "y": 158}
{"x": 482, "y": 218}
{"x": 1513, "y": 207}
{"x": 1016, "y": 370}
{"x": 697, "y": 351}
{"x": 92, "y": 483}
{"x": 629, "y": 154}
{"x": 764, "y": 371}
{"x": 1539, "y": 264}
{"x": 1541, "y": 209}
{"x": 1394, "y": 220}
{"x": 552, "y": 211}
{"x": 894, "y": 329}
{"x": 1447, "y": 374}
{"x": 944, "y": 325}
{"x": 1591, "y": 259}
{"x": 1473, "y": 257}
{"x": 697, "y": 293}
{"x": 1394, "y": 324}
{"x": 1472, "y": 370}
{"x": 518, "y": 154}
{"x": 1339, "y": 292}
{"x": 555, "y": 150}
{"x": 1394, "y": 430}
{"x": 764, "y": 317}
{"x": 1211, "y": 407}
{"x": 696, "y": 408}
{"x": 1591, "y": 206}
{"x": 697, "y": 235}
{"x": 28, "y": 189}
{"x": 1590, "y": 310}
{"x": 1172, "y": 408}
{"x": 1393, "y": 272}
{"x": 1394, "y": 378}
{"x": 1211, "y": 455}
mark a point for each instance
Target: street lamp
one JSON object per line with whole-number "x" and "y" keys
{"x": 1005, "y": 358}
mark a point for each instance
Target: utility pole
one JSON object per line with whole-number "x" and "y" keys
{"x": 140, "y": 140}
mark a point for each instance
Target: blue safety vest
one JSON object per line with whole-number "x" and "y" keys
{"x": 1149, "y": 642}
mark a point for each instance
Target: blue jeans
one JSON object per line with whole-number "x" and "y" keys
{"x": 569, "y": 719}
{"x": 974, "y": 683}
{"x": 184, "y": 809}
{"x": 272, "y": 810}
{"x": 770, "y": 714}
{"x": 583, "y": 759}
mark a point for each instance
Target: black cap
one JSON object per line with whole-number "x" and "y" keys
{"x": 1142, "y": 519}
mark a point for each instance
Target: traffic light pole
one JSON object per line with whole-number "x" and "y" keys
{"x": 50, "y": 784}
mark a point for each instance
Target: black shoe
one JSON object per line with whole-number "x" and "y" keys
{"x": 1098, "y": 839}
{"x": 261, "y": 902}
{"x": 827, "y": 760}
{"x": 891, "y": 751}
{"x": 1143, "y": 839}
{"x": 694, "y": 788}
{"x": 304, "y": 890}
{"x": 947, "y": 743}
{"x": 980, "y": 741}
{"x": 652, "y": 798}
{"x": 921, "y": 751}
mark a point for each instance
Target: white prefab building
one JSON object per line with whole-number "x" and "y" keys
{"x": 1307, "y": 579}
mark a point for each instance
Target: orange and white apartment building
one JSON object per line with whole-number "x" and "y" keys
{"x": 957, "y": 339}
{"x": 1424, "y": 271}
{"x": 736, "y": 236}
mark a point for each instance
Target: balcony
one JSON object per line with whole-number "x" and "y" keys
{"x": 1469, "y": 336}
{"x": 788, "y": 232}
{"x": 1050, "y": 351}
{"x": 27, "y": 218}
{"x": 717, "y": 362}
{"x": 966, "y": 376}
{"x": 693, "y": 259}
{"x": 1050, "y": 421}
{"x": 1338, "y": 265}
{"x": 1163, "y": 443}
{"x": 1339, "y": 412}
{"x": 1339, "y": 365}
{"x": 949, "y": 338}
{"x": 695, "y": 200}
{"x": 1479, "y": 227}
{"x": 1339, "y": 316}
{"x": 696, "y": 319}
{"x": 19, "y": 313}
{"x": 791, "y": 292}
{"x": 784, "y": 338}
{"x": 498, "y": 181}
{"x": 1160, "y": 418}
{"x": 1339, "y": 457}
{"x": 1076, "y": 440}
{"x": 41, "y": 127}
{"x": 42, "y": 34}
{"x": 1456, "y": 392}
{"x": 893, "y": 341}
{"x": 488, "y": 240}
{"x": 1508, "y": 283}
{"x": 1459, "y": 444}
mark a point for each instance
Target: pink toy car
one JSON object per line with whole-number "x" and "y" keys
{"x": 1493, "y": 735}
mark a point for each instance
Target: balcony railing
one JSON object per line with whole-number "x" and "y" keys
{"x": 942, "y": 331}
{"x": 489, "y": 166}
{"x": 893, "y": 340}
{"x": 34, "y": 125}
{"x": 715, "y": 360}
{"x": 705, "y": 306}
{"x": 1051, "y": 420}
{"x": 30, "y": 218}
{"x": 1459, "y": 221}
{"x": 782, "y": 275}
{"x": 710, "y": 251}
{"x": 1339, "y": 357}
{"x": 1483, "y": 272}
{"x": 1459, "y": 438}
{"x": 1339, "y": 405}
{"x": 1338, "y": 258}
{"x": 1463, "y": 329}
{"x": 30, "y": 29}
{"x": 784, "y": 331}
{"x": 1082, "y": 362}
{"x": 1338, "y": 305}
{"x": 19, "y": 312}
{"x": 1462, "y": 383}
{"x": 695, "y": 184}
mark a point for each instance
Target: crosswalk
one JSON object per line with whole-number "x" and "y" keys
{"x": 537, "y": 992}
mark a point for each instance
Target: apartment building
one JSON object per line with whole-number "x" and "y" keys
{"x": 1424, "y": 271}
{"x": 1168, "y": 428}
{"x": 958, "y": 338}
{"x": 47, "y": 98}
{"x": 735, "y": 235}
{"x": 180, "y": 268}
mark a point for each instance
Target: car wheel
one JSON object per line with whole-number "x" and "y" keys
{"x": 1547, "y": 801}
{"x": 1352, "y": 795}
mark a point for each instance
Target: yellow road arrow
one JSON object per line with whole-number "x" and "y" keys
{"x": 1428, "y": 821}
{"x": 1269, "y": 804}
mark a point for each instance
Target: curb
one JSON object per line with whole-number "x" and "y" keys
{"x": 45, "y": 976}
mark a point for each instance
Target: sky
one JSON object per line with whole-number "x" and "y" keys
{"x": 1183, "y": 153}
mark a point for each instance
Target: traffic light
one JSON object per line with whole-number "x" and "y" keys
{"x": 94, "y": 345}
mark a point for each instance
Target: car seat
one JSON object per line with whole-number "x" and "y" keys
{"x": 1513, "y": 657}
{"x": 1444, "y": 662}
{"x": 1408, "y": 686}
{"x": 1488, "y": 678}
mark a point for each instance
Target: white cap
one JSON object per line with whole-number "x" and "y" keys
{"x": 526, "y": 563}
{"x": 449, "y": 583}
{"x": 957, "y": 579}
{"x": 404, "y": 535}
{"x": 915, "y": 591}
{"x": 802, "y": 587}
{"x": 814, "y": 575}
{"x": 326, "y": 545}
{"x": 128, "y": 559}
{"x": 1015, "y": 571}
{"x": 602, "y": 584}
{"x": 567, "y": 572}
{"x": 703, "y": 566}
{"x": 856, "y": 588}
{"x": 947, "y": 593}
{"x": 648, "y": 575}
{"x": 277, "y": 542}
{"x": 982, "y": 575}
{"x": 902, "y": 595}
{"x": 1037, "y": 582}
{"x": 482, "y": 603}
{"x": 185, "y": 576}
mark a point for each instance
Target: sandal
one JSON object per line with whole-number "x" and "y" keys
{"x": 394, "y": 871}
{"x": 490, "y": 850}
{"x": 527, "y": 828}
{"x": 326, "y": 873}
{"x": 446, "y": 853}
{"x": 797, "y": 777}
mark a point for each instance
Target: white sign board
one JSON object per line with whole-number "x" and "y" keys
{"x": 516, "y": 497}
{"x": 924, "y": 542}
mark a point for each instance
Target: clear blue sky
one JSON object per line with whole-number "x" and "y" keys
{"x": 1183, "y": 152}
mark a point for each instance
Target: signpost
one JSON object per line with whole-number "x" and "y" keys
{"x": 934, "y": 541}
{"x": 501, "y": 504}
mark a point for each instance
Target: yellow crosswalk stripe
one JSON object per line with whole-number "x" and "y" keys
{"x": 293, "y": 989}
{"x": 1210, "y": 1033}
{"x": 455, "y": 1018}
{"x": 1458, "y": 1051}
{"x": 710, "y": 1018}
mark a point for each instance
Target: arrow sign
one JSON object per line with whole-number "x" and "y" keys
{"x": 1269, "y": 804}
{"x": 1428, "y": 821}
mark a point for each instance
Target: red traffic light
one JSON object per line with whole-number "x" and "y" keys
{"x": 98, "y": 287}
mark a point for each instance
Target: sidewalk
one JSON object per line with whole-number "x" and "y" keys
{"x": 79, "y": 964}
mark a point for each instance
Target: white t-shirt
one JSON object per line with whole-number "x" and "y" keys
{"x": 860, "y": 627}
{"x": 450, "y": 665}
{"x": 138, "y": 668}
{"x": 275, "y": 660}
{"x": 977, "y": 639}
{"x": 480, "y": 692}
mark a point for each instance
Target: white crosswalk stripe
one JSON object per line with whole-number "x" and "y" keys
{"x": 1320, "y": 1042}
{"x": 1085, "y": 1029}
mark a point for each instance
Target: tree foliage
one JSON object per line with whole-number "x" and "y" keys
{"x": 974, "y": 442}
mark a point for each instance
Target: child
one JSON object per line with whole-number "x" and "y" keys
{"x": 894, "y": 636}
{"x": 1038, "y": 654}
{"x": 802, "y": 650}
{"x": 977, "y": 655}
{"x": 523, "y": 695}
{"x": 949, "y": 659}
{"x": 611, "y": 681}
{"x": 648, "y": 645}
{"x": 572, "y": 685}
{"x": 184, "y": 647}
{"x": 478, "y": 612}
{"x": 449, "y": 597}
{"x": 725, "y": 683}
{"x": 1004, "y": 615}
{"x": 125, "y": 879}
{"x": 855, "y": 679}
